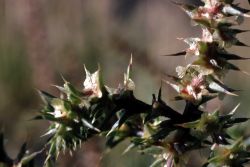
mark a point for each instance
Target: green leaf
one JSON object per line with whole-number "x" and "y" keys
{"x": 89, "y": 125}
{"x": 237, "y": 120}
{"x": 243, "y": 10}
{"x": 38, "y": 117}
{"x": 157, "y": 163}
{"x": 189, "y": 124}
{"x": 73, "y": 95}
{"x": 228, "y": 9}
{"x": 46, "y": 97}
{"x": 220, "y": 88}
{"x": 182, "y": 53}
{"x": 189, "y": 9}
{"x": 28, "y": 158}
{"x": 229, "y": 56}
{"x": 239, "y": 43}
{"x": 233, "y": 67}
{"x": 153, "y": 150}
{"x": 129, "y": 148}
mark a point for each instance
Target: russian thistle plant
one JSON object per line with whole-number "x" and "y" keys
{"x": 157, "y": 129}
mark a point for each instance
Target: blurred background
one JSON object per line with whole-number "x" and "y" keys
{"x": 41, "y": 39}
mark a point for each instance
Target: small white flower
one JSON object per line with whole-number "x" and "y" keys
{"x": 191, "y": 91}
{"x": 58, "y": 112}
{"x": 92, "y": 84}
{"x": 129, "y": 83}
{"x": 206, "y": 15}
{"x": 193, "y": 46}
{"x": 59, "y": 109}
{"x": 210, "y": 3}
{"x": 206, "y": 35}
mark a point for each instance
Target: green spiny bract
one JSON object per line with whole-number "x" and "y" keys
{"x": 157, "y": 129}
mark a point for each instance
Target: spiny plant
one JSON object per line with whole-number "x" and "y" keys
{"x": 156, "y": 128}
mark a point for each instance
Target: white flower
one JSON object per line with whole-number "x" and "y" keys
{"x": 59, "y": 109}
{"x": 92, "y": 84}
{"x": 206, "y": 35}
{"x": 129, "y": 83}
{"x": 193, "y": 46}
{"x": 210, "y": 3}
{"x": 58, "y": 113}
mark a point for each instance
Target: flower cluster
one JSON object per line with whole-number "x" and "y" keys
{"x": 157, "y": 129}
{"x": 203, "y": 77}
